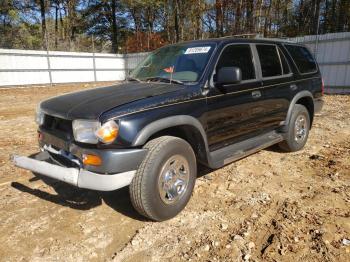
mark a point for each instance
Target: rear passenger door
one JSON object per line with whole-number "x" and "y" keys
{"x": 277, "y": 81}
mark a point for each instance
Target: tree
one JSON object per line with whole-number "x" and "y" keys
{"x": 143, "y": 25}
{"x": 43, "y": 21}
{"x": 106, "y": 20}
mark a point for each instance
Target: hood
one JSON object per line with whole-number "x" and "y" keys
{"x": 91, "y": 103}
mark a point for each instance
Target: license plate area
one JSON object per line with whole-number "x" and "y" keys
{"x": 56, "y": 140}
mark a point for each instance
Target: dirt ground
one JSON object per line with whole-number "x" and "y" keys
{"x": 270, "y": 206}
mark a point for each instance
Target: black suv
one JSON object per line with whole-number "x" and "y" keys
{"x": 210, "y": 102}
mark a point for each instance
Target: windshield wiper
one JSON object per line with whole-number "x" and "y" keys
{"x": 159, "y": 78}
{"x": 129, "y": 78}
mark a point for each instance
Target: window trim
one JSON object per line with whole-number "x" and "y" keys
{"x": 256, "y": 71}
{"x": 279, "y": 58}
{"x": 299, "y": 45}
{"x": 286, "y": 60}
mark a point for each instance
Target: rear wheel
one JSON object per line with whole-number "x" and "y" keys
{"x": 164, "y": 182}
{"x": 298, "y": 130}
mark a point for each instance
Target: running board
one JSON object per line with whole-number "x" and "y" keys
{"x": 242, "y": 149}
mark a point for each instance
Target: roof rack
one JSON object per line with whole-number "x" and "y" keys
{"x": 285, "y": 39}
{"x": 259, "y": 36}
{"x": 241, "y": 36}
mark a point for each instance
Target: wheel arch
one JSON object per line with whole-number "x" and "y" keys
{"x": 304, "y": 98}
{"x": 182, "y": 126}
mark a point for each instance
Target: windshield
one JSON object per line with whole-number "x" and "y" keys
{"x": 178, "y": 63}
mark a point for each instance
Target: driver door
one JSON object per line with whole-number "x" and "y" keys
{"x": 235, "y": 110}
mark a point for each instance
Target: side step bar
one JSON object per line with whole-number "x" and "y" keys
{"x": 242, "y": 149}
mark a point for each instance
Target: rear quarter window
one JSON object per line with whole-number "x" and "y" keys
{"x": 302, "y": 58}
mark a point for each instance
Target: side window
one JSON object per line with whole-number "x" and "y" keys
{"x": 285, "y": 66}
{"x": 269, "y": 60}
{"x": 238, "y": 56}
{"x": 302, "y": 58}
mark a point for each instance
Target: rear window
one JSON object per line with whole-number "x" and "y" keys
{"x": 269, "y": 60}
{"x": 302, "y": 58}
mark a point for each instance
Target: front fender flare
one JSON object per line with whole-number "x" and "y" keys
{"x": 172, "y": 121}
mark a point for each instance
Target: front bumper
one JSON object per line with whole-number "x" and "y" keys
{"x": 75, "y": 176}
{"x": 113, "y": 160}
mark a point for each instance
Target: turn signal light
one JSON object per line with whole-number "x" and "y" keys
{"x": 108, "y": 132}
{"x": 92, "y": 160}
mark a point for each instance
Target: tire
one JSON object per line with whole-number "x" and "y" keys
{"x": 294, "y": 140}
{"x": 169, "y": 162}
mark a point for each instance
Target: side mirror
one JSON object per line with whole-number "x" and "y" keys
{"x": 228, "y": 75}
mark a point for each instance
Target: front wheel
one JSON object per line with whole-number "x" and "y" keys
{"x": 298, "y": 130}
{"x": 164, "y": 182}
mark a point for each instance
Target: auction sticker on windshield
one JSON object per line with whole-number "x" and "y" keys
{"x": 197, "y": 50}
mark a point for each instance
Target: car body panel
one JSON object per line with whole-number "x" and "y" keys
{"x": 89, "y": 104}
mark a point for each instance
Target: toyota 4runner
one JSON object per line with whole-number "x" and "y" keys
{"x": 209, "y": 101}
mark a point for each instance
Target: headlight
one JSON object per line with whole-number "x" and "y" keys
{"x": 39, "y": 116}
{"x": 108, "y": 132}
{"x": 88, "y": 131}
{"x": 84, "y": 131}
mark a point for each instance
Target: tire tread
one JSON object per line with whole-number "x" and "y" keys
{"x": 137, "y": 187}
{"x": 287, "y": 144}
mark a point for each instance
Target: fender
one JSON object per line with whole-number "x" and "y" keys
{"x": 299, "y": 95}
{"x": 167, "y": 122}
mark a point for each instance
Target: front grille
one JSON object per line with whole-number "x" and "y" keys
{"x": 58, "y": 124}
{"x": 62, "y": 160}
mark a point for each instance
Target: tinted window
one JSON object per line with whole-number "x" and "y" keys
{"x": 269, "y": 60}
{"x": 285, "y": 66}
{"x": 302, "y": 58}
{"x": 238, "y": 56}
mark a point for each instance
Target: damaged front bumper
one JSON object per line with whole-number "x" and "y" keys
{"x": 75, "y": 176}
{"x": 73, "y": 173}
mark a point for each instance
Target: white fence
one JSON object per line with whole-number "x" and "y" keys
{"x": 25, "y": 67}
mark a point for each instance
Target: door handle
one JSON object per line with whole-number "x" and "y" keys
{"x": 293, "y": 87}
{"x": 256, "y": 94}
